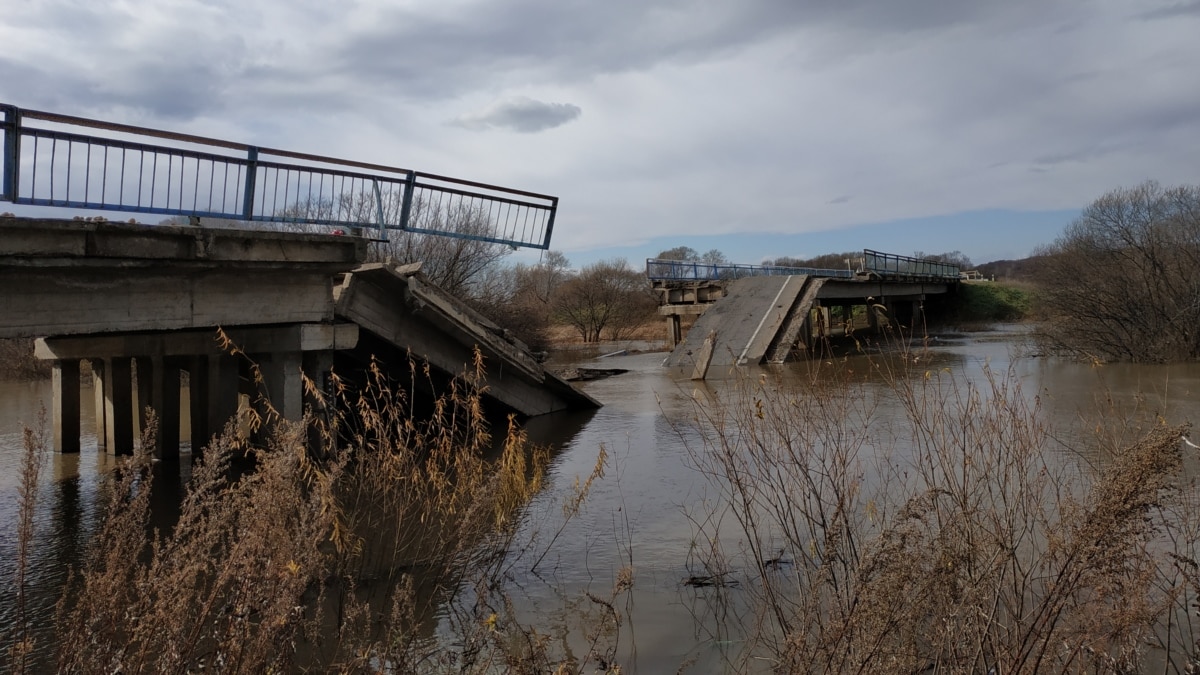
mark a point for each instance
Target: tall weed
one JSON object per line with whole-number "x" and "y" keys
{"x": 936, "y": 525}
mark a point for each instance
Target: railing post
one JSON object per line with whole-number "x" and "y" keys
{"x": 251, "y": 178}
{"x": 550, "y": 222}
{"x": 357, "y": 231}
{"x": 410, "y": 186}
{"x": 12, "y": 153}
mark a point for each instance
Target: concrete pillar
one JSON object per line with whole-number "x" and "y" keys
{"x": 223, "y": 391}
{"x": 823, "y": 318}
{"x": 118, "y": 405}
{"x": 65, "y": 381}
{"x": 317, "y": 366}
{"x": 674, "y": 331}
{"x": 161, "y": 376}
{"x": 98, "y": 394}
{"x": 198, "y": 402}
{"x": 143, "y": 378}
{"x": 873, "y": 311}
{"x": 282, "y": 384}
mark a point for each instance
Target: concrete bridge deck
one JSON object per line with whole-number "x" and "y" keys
{"x": 760, "y": 319}
{"x": 117, "y": 294}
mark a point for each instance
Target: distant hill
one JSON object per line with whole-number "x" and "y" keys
{"x": 1012, "y": 270}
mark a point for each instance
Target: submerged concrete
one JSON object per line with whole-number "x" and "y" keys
{"x": 744, "y": 323}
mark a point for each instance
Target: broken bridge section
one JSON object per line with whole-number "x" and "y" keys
{"x": 759, "y": 316}
{"x": 144, "y": 304}
{"x": 403, "y": 312}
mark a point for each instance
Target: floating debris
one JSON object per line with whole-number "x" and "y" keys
{"x": 588, "y": 374}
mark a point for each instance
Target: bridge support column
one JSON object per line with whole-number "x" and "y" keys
{"x": 65, "y": 381}
{"x": 846, "y": 313}
{"x": 877, "y": 309}
{"x": 674, "y": 330}
{"x": 98, "y": 396}
{"x": 317, "y": 367}
{"x": 282, "y": 386}
{"x": 223, "y": 391}
{"x": 143, "y": 379}
{"x": 197, "y": 368}
{"x": 158, "y": 389}
{"x": 118, "y": 406}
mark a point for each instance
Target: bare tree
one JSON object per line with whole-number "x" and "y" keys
{"x": 604, "y": 296}
{"x": 448, "y": 238}
{"x": 679, "y": 253}
{"x": 957, "y": 258}
{"x": 836, "y": 261}
{"x": 1122, "y": 281}
{"x": 518, "y": 297}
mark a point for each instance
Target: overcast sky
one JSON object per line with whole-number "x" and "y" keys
{"x": 762, "y": 127}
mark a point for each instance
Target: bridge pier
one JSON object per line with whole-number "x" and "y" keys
{"x": 144, "y": 370}
{"x": 66, "y": 404}
{"x": 674, "y": 330}
{"x": 118, "y": 405}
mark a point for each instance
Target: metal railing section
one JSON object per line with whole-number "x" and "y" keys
{"x": 887, "y": 265}
{"x": 80, "y": 163}
{"x": 693, "y": 270}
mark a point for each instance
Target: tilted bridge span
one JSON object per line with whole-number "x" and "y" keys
{"x": 128, "y": 297}
{"x": 751, "y": 314}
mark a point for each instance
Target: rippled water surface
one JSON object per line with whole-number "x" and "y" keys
{"x": 642, "y": 514}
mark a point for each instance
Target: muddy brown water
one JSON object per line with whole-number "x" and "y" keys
{"x": 642, "y": 514}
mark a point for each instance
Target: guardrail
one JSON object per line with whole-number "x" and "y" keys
{"x": 58, "y": 164}
{"x": 882, "y": 265}
{"x": 891, "y": 266}
{"x": 693, "y": 270}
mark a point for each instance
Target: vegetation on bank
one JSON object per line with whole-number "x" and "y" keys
{"x": 1122, "y": 282}
{"x": 927, "y": 525}
{"x": 332, "y": 551}
{"x": 17, "y": 361}
{"x": 991, "y": 302}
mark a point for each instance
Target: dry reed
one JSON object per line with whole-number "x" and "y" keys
{"x": 931, "y": 525}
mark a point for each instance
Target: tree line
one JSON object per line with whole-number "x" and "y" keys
{"x": 1120, "y": 283}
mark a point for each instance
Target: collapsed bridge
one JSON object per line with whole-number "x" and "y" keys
{"x": 750, "y": 314}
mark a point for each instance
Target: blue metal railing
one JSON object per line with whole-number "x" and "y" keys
{"x": 182, "y": 175}
{"x": 883, "y": 265}
{"x": 694, "y": 270}
{"x": 892, "y": 266}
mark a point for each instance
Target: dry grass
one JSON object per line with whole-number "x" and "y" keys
{"x": 937, "y": 526}
{"x": 330, "y": 557}
{"x": 930, "y": 525}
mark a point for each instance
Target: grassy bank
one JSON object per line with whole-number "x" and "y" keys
{"x": 990, "y": 302}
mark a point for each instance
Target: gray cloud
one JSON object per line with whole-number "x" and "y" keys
{"x": 522, "y": 114}
{"x": 896, "y": 109}
{"x": 1173, "y": 11}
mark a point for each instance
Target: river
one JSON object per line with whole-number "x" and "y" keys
{"x": 641, "y": 515}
